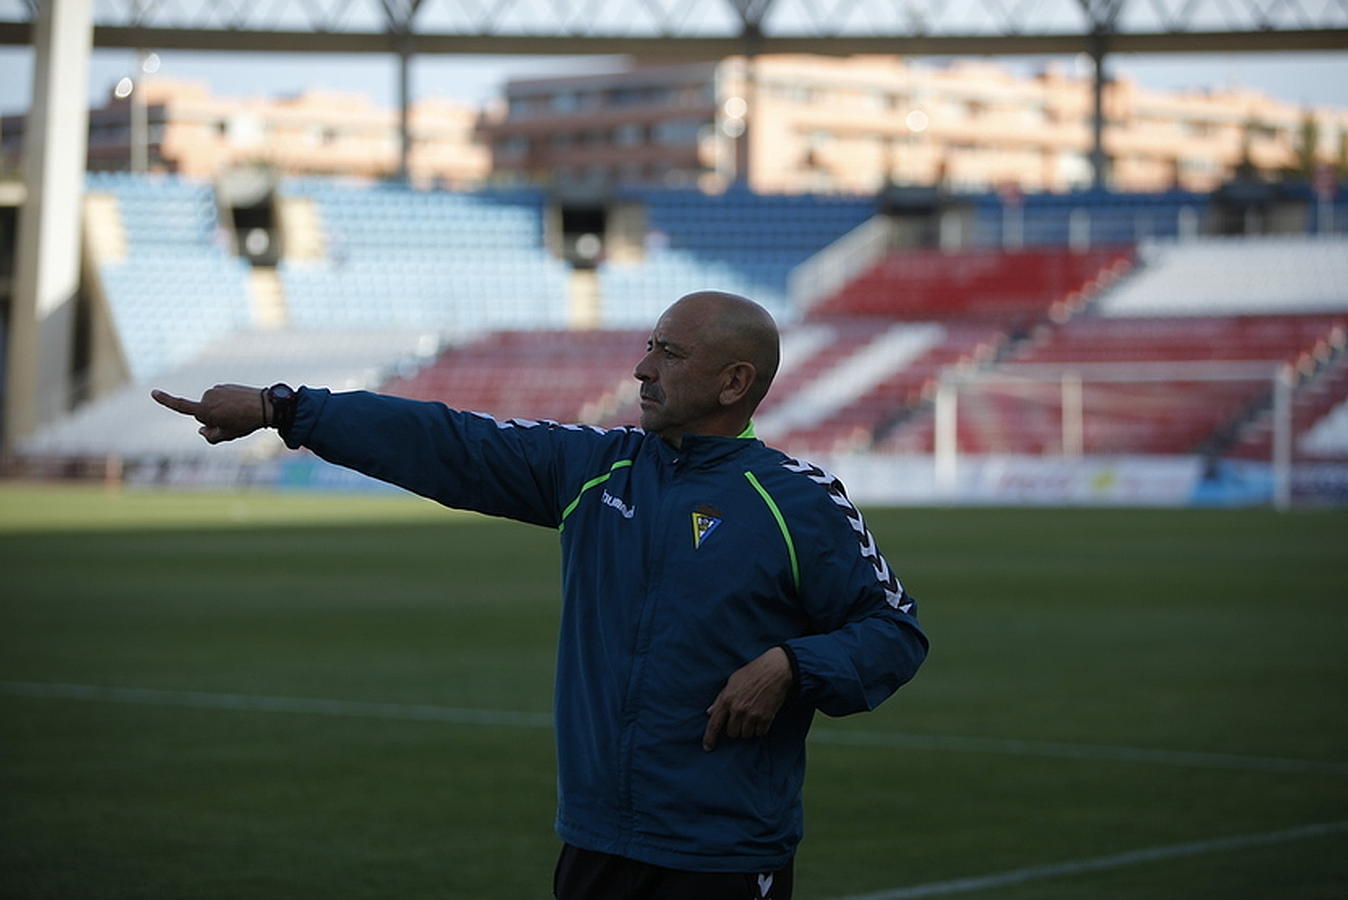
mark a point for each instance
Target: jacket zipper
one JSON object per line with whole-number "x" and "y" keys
{"x": 640, "y": 653}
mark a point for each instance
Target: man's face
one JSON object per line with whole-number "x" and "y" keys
{"x": 680, "y": 374}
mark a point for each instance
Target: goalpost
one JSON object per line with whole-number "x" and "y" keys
{"x": 1071, "y": 379}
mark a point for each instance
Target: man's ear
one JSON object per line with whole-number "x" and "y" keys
{"x": 736, "y": 380}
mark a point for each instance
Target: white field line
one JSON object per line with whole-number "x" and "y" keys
{"x": 833, "y": 736}
{"x": 1099, "y": 863}
{"x": 303, "y": 705}
{"x": 1064, "y": 750}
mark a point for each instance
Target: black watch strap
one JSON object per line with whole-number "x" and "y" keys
{"x": 282, "y": 398}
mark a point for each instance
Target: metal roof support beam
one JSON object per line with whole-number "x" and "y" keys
{"x": 1103, "y": 16}
{"x": 750, "y": 13}
{"x": 1099, "y": 44}
{"x": 698, "y": 47}
{"x": 400, "y": 15}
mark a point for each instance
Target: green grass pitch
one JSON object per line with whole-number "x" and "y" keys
{"x": 1101, "y": 682}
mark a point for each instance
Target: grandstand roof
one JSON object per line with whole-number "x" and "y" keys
{"x": 710, "y": 28}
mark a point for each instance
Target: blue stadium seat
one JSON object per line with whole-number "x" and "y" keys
{"x": 178, "y": 288}
{"x": 451, "y": 262}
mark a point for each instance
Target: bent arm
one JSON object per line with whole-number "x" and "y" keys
{"x": 866, "y": 641}
{"x": 855, "y": 667}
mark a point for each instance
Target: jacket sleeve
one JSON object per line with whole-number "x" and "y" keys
{"x": 463, "y": 460}
{"x": 866, "y": 641}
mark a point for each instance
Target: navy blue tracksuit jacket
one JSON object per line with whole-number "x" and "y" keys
{"x": 678, "y": 567}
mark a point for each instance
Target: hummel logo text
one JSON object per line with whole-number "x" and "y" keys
{"x": 626, "y": 511}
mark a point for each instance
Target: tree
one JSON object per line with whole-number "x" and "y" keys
{"x": 1308, "y": 140}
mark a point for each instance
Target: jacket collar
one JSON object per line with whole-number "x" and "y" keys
{"x": 704, "y": 449}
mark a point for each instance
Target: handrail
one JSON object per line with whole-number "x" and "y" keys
{"x": 840, "y": 262}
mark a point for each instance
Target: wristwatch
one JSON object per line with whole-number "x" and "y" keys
{"x": 282, "y": 398}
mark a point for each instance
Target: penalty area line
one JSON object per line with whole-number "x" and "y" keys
{"x": 1101, "y": 863}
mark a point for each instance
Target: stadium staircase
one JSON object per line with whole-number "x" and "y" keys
{"x": 267, "y": 298}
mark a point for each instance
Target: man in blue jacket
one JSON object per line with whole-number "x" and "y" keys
{"x": 716, "y": 593}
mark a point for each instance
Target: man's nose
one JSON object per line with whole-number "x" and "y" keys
{"x": 643, "y": 370}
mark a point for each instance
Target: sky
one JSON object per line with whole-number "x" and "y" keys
{"x": 1309, "y": 78}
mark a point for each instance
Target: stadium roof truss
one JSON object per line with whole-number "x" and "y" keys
{"x": 707, "y": 28}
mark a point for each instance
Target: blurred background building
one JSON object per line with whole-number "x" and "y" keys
{"x": 785, "y": 124}
{"x": 190, "y": 131}
{"x": 796, "y": 124}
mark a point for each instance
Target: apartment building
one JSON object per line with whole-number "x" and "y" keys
{"x": 791, "y": 124}
{"x": 783, "y": 124}
{"x": 192, "y": 132}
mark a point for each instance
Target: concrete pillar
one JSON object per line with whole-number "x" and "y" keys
{"x": 47, "y": 267}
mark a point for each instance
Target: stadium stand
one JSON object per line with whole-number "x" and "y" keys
{"x": 1327, "y": 437}
{"x": 130, "y": 425}
{"x": 1088, "y": 218}
{"x": 1103, "y": 339}
{"x": 178, "y": 287}
{"x": 396, "y": 257}
{"x": 980, "y": 284}
{"x": 855, "y": 424}
{"x": 1085, "y": 219}
{"x": 966, "y": 305}
{"x": 1319, "y": 405}
{"x": 737, "y": 241}
{"x": 1175, "y": 416}
{"x": 1235, "y": 276}
{"x": 869, "y": 361}
{"x": 568, "y": 376}
{"x": 391, "y": 273}
{"x": 1014, "y": 411}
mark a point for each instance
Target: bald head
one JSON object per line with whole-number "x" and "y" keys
{"x": 708, "y": 364}
{"x": 738, "y": 330}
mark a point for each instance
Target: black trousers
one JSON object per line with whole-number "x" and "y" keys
{"x": 588, "y": 875}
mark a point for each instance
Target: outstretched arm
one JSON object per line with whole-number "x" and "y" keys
{"x": 226, "y": 412}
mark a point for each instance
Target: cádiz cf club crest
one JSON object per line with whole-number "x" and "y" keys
{"x": 705, "y": 520}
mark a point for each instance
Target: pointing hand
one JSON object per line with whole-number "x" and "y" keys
{"x": 226, "y": 411}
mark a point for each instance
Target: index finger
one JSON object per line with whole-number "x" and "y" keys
{"x": 177, "y": 404}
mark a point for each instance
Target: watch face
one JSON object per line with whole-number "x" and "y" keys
{"x": 281, "y": 392}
